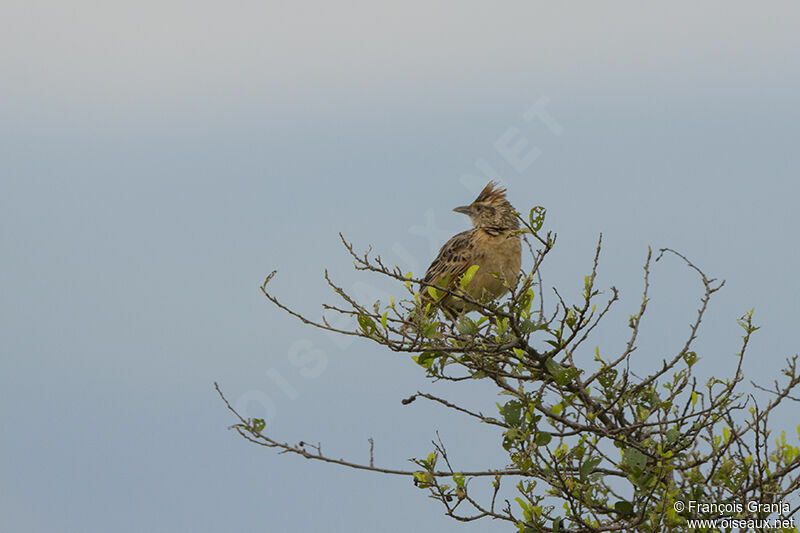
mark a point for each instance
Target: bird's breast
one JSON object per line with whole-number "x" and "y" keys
{"x": 499, "y": 259}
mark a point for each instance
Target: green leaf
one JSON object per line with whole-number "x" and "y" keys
{"x": 434, "y": 292}
{"x": 422, "y": 479}
{"x": 466, "y": 326}
{"x": 384, "y": 317}
{"x": 466, "y": 279}
{"x": 527, "y": 512}
{"x": 607, "y": 378}
{"x": 543, "y": 438}
{"x": 525, "y": 301}
{"x": 367, "y": 325}
{"x": 645, "y": 481}
{"x": 536, "y": 217}
{"x": 426, "y": 359}
{"x": 510, "y": 437}
{"x": 672, "y": 435}
{"x": 511, "y": 412}
{"x": 430, "y": 330}
{"x": 529, "y": 326}
{"x": 694, "y": 398}
{"x": 258, "y": 425}
{"x": 634, "y": 459}
{"x": 556, "y": 370}
{"x": 588, "y": 466}
{"x": 624, "y": 508}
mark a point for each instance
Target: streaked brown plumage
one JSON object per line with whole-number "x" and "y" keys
{"x": 493, "y": 244}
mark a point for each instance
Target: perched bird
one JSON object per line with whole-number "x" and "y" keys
{"x": 493, "y": 245}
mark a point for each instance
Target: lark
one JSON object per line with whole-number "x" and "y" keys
{"x": 493, "y": 245}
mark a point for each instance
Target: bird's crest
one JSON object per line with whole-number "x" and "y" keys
{"x": 492, "y": 194}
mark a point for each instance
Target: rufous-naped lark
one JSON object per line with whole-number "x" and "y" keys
{"x": 493, "y": 245}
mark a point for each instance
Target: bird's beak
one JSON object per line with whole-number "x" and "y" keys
{"x": 464, "y": 210}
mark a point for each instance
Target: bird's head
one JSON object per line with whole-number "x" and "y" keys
{"x": 491, "y": 209}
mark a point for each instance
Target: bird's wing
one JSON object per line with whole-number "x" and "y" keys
{"x": 453, "y": 260}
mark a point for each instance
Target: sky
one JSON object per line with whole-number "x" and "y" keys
{"x": 158, "y": 159}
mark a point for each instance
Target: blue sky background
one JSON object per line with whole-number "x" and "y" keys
{"x": 158, "y": 159}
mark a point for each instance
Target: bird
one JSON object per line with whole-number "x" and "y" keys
{"x": 492, "y": 245}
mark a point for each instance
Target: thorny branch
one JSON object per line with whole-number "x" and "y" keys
{"x": 591, "y": 446}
